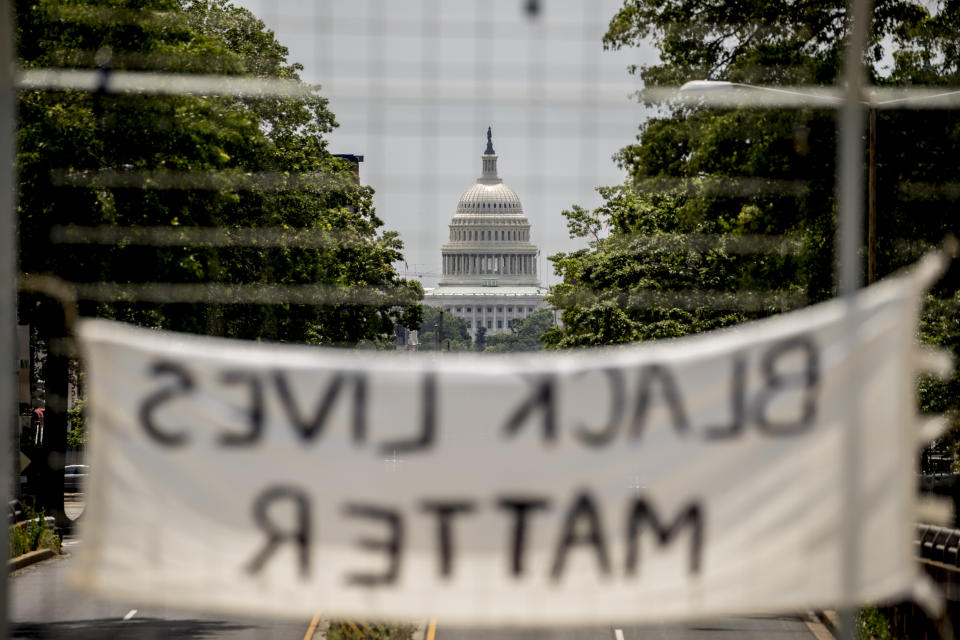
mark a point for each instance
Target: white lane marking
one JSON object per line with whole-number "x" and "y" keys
{"x": 133, "y": 612}
{"x": 618, "y": 634}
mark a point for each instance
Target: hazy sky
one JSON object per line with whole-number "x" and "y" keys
{"x": 414, "y": 85}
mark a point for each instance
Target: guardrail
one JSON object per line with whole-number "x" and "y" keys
{"x": 940, "y": 545}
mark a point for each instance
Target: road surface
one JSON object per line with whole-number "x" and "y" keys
{"x": 42, "y": 606}
{"x": 758, "y": 628}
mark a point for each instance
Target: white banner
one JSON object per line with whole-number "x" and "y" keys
{"x": 702, "y": 476}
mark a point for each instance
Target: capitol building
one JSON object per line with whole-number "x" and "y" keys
{"x": 489, "y": 264}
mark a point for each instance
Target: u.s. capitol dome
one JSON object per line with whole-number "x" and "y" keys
{"x": 489, "y": 272}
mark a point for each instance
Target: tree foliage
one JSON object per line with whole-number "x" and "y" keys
{"x": 751, "y": 41}
{"x": 760, "y": 176}
{"x": 455, "y": 335}
{"x": 184, "y": 161}
{"x": 134, "y": 160}
{"x": 480, "y": 339}
{"x": 526, "y": 334}
{"x": 605, "y": 295}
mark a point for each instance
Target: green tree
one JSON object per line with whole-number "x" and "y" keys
{"x": 456, "y": 336}
{"x": 77, "y": 417}
{"x": 69, "y": 142}
{"x": 480, "y": 341}
{"x": 769, "y": 43}
{"x": 746, "y": 175}
{"x": 526, "y": 334}
{"x": 605, "y": 291}
{"x": 180, "y": 161}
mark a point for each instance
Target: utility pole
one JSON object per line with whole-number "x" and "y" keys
{"x": 872, "y": 202}
{"x": 8, "y": 272}
{"x": 849, "y": 238}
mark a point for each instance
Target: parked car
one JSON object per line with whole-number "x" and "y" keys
{"x": 74, "y": 477}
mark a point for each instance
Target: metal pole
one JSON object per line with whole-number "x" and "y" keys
{"x": 8, "y": 273}
{"x": 849, "y": 279}
{"x": 849, "y": 166}
{"x": 872, "y": 202}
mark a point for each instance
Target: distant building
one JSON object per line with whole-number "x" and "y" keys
{"x": 353, "y": 159}
{"x": 489, "y": 264}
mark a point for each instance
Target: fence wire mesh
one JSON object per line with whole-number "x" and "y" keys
{"x": 289, "y": 172}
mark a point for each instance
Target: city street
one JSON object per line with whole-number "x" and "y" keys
{"x": 43, "y": 606}
{"x": 759, "y": 628}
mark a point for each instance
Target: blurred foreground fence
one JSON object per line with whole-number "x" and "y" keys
{"x": 175, "y": 169}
